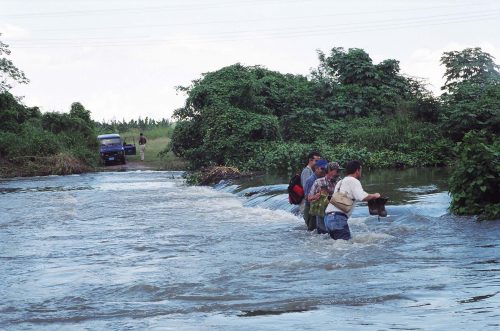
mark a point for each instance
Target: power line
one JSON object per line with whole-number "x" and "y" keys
{"x": 214, "y": 22}
{"x": 274, "y": 33}
{"x": 202, "y": 5}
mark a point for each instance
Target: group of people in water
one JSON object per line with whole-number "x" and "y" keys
{"x": 320, "y": 180}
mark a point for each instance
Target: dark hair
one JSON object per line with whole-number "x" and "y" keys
{"x": 312, "y": 155}
{"x": 352, "y": 166}
{"x": 140, "y": 134}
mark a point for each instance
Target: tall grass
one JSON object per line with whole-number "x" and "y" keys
{"x": 132, "y": 135}
{"x": 158, "y": 140}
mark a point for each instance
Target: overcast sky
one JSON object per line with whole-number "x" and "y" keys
{"x": 122, "y": 59}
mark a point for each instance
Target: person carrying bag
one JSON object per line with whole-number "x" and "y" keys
{"x": 341, "y": 200}
{"x": 342, "y": 204}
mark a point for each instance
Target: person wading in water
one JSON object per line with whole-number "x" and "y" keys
{"x": 336, "y": 219}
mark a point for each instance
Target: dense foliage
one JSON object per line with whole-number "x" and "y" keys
{"x": 471, "y": 117}
{"x": 258, "y": 119}
{"x": 27, "y": 133}
{"x": 29, "y": 138}
{"x": 472, "y": 93}
{"x": 475, "y": 183}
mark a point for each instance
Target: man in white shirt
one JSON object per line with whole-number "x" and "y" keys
{"x": 335, "y": 219}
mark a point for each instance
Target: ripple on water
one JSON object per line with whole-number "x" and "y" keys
{"x": 141, "y": 250}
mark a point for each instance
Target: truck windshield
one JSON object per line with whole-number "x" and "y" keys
{"x": 111, "y": 141}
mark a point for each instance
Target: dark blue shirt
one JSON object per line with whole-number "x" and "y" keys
{"x": 309, "y": 183}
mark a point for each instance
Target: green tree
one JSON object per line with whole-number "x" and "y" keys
{"x": 8, "y": 71}
{"x": 253, "y": 88}
{"x": 471, "y": 106}
{"x": 78, "y": 110}
{"x": 358, "y": 87}
{"x": 293, "y": 125}
{"x": 13, "y": 113}
{"x": 470, "y": 65}
{"x": 231, "y": 112}
{"x": 472, "y": 97}
{"x": 471, "y": 117}
{"x": 424, "y": 106}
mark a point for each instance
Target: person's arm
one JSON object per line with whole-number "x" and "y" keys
{"x": 307, "y": 188}
{"x": 372, "y": 196}
{"x": 314, "y": 193}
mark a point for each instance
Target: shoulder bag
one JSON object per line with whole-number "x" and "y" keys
{"x": 341, "y": 200}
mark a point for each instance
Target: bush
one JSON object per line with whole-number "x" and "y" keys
{"x": 304, "y": 125}
{"x": 474, "y": 182}
{"x": 31, "y": 141}
{"x": 280, "y": 157}
{"x": 27, "y": 134}
{"x": 344, "y": 153}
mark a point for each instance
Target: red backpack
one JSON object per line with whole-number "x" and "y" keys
{"x": 295, "y": 190}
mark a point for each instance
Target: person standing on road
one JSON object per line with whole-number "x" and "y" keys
{"x": 142, "y": 145}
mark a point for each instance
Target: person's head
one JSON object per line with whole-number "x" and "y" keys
{"x": 320, "y": 167}
{"x": 353, "y": 168}
{"x": 312, "y": 158}
{"x": 140, "y": 134}
{"x": 333, "y": 169}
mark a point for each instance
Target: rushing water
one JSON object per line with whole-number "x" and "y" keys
{"x": 141, "y": 250}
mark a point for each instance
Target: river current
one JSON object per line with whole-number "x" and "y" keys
{"x": 144, "y": 251}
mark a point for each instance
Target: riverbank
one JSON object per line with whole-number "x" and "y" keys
{"x": 213, "y": 175}
{"x": 28, "y": 166}
{"x": 67, "y": 165}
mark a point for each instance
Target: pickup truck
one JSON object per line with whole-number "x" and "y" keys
{"x": 111, "y": 148}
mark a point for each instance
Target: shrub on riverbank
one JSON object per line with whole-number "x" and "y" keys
{"x": 474, "y": 182}
{"x": 256, "y": 119}
{"x": 471, "y": 117}
{"x": 58, "y": 164}
{"x": 32, "y": 143}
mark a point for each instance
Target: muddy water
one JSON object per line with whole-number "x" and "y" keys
{"x": 141, "y": 250}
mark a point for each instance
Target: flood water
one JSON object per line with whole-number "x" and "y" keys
{"x": 144, "y": 251}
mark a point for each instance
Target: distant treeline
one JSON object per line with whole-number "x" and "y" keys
{"x": 145, "y": 124}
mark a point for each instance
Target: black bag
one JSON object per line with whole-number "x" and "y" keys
{"x": 295, "y": 190}
{"x": 377, "y": 206}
